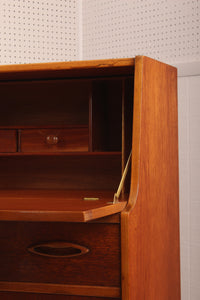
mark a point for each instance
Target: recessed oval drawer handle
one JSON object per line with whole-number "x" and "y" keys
{"x": 52, "y": 139}
{"x": 58, "y": 249}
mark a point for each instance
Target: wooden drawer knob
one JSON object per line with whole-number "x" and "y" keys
{"x": 52, "y": 139}
{"x": 58, "y": 249}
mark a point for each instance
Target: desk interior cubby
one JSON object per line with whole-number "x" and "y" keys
{"x": 67, "y": 138}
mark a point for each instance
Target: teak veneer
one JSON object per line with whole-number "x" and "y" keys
{"x": 66, "y": 133}
{"x": 57, "y": 205}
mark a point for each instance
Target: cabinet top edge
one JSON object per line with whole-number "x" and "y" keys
{"x": 124, "y": 66}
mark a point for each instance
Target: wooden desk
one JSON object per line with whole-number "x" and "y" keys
{"x": 68, "y": 228}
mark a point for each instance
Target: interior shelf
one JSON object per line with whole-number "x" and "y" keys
{"x": 57, "y": 205}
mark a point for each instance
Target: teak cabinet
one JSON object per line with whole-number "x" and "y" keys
{"x": 89, "y": 181}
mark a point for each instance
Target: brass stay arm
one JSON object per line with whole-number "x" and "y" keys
{"x": 117, "y": 194}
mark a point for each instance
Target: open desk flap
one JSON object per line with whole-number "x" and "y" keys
{"x": 56, "y": 205}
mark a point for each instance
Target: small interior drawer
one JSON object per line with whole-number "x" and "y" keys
{"x": 8, "y": 141}
{"x": 27, "y": 254}
{"x": 54, "y": 140}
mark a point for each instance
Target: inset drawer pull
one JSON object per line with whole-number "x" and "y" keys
{"x": 52, "y": 139}
{"x": 58, "y": 249}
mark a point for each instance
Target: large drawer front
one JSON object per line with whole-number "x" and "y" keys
{"x": 54, "y": 140}
{"x": 99, "y": 266}
{"x": 8, "y": 141}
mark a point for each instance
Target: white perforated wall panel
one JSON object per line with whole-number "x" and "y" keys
{"x": 167, "y": 30}
{"x": 39, "y": 31}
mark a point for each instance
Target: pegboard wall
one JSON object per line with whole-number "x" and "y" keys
{"x": 167, "y": 30}
{"x": 39, "y": 31}
{"x": 58, "y": 30}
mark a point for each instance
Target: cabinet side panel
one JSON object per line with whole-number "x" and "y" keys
{"x": 150, "y": 224}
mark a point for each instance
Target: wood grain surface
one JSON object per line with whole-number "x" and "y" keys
{"x": 8, "y": 141}
{"x": 34, "y": 296}
{"x": 98, "y": 267}
{"x": 109, "y": 67}
{"x": 44, "y": 103}
{"x": 78, "y": 290}
{"x": 136, "y": 260}
{"x": 57, "y": 205}
{"x": 54, "y": 140}
{"x": 98, "y": 171}
{"x": 150, "y": 223}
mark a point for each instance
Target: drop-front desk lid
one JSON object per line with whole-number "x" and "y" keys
{"x": 57, "y": 205}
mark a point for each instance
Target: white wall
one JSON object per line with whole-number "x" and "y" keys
{"x": 34, "y": 31}
{"x": 189, "y": 164}
{"x": 166, "y": 30}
